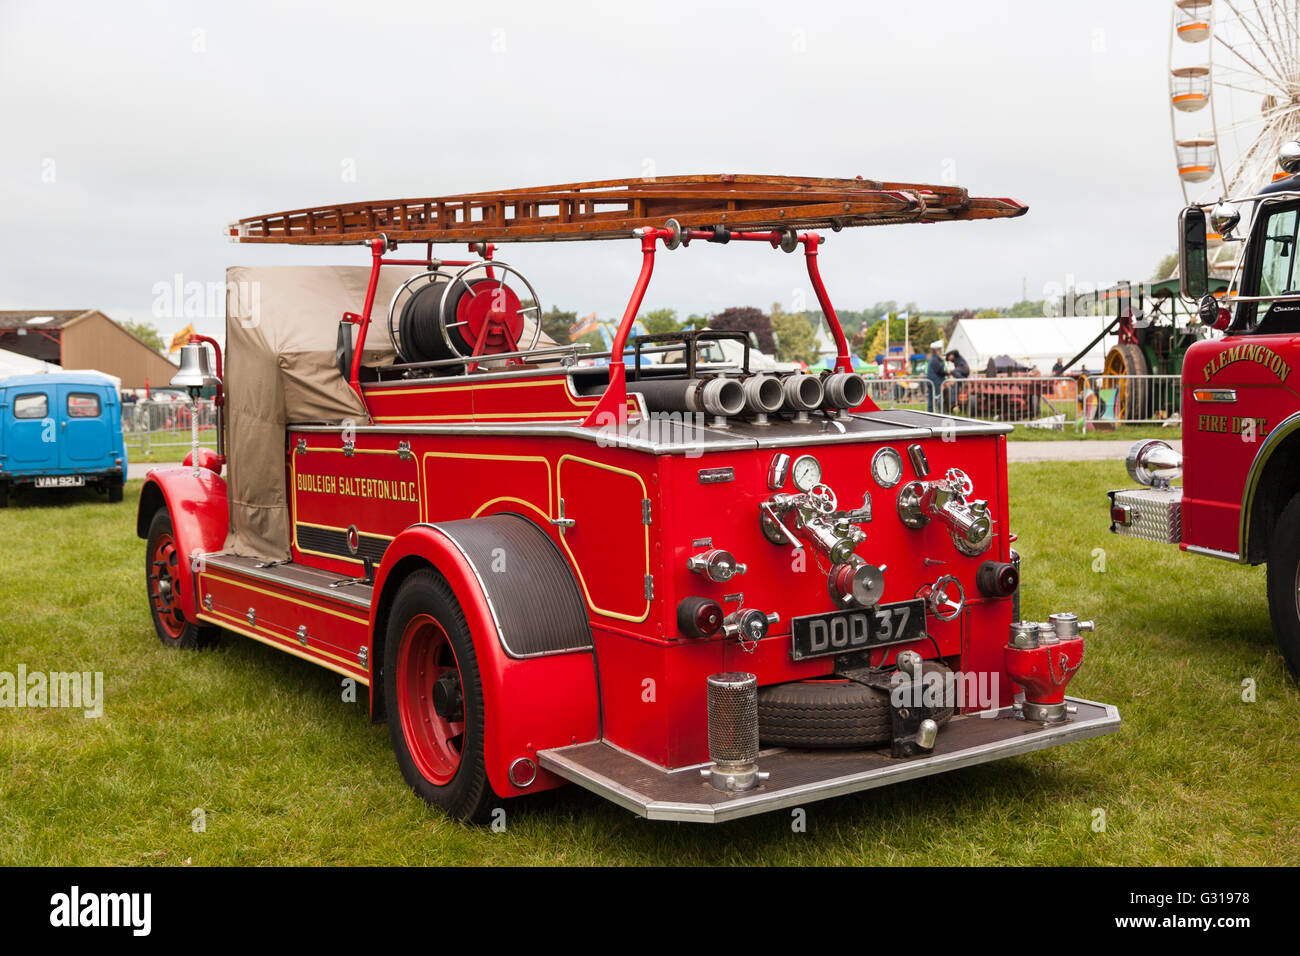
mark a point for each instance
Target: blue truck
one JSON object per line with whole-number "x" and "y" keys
{"x": 61, "y": 430}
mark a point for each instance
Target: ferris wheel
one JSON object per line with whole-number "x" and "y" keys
{"x": 1234, "y": 96}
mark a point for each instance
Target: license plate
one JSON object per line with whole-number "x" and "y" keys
{"x": 840, "y": 632}
{"x": 61, "y": 481}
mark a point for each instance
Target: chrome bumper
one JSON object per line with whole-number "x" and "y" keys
{"x": 803, "y": 776}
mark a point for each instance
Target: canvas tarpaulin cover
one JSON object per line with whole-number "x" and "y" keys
{"x": 281, "y": 332}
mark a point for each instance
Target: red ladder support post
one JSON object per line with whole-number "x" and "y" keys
{"x": 612, "y": 407}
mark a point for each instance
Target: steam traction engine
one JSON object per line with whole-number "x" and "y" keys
{"x": 699, "y": 591}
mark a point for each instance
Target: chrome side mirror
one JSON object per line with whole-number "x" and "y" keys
{"x": 1288, "y": 157}
{"x": 1224, "y": 218}
{"x": 1207, "y": 311}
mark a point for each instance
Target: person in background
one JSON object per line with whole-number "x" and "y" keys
{"x": 1058, "y": 369}
{"x": 958, "y": 368}
{"x": 935, "y": 373}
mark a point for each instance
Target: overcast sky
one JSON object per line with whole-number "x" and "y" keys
{"x": 133, "y": 132}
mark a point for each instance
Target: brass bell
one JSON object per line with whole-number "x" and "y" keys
{"x": 196, "y": 368}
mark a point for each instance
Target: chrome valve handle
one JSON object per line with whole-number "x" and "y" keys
{"x": 822, "y": 497}
{"x": 960, "y": 482}
{"x": 946, "y": 598}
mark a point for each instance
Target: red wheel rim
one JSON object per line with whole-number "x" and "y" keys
{"x": 164, "y": 562}
{"x": 424, "y": 655}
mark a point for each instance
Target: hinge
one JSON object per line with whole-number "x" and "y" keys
{"x": 404, "y": 450}
{"x": 302, "y": 446}
{"x": 645, "y": 511}
{"x": 302, "y": 634}
{"x": 649, "y": 587}
{"x": 348, "y": 448}
{"x": 251, "y": 617}
{"x": 363, "y": 655}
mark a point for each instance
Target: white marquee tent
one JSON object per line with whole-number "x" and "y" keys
{"x": 12, "y": 363}
{"x": 1035, "y": 341}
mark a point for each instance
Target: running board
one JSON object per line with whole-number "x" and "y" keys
{"x": 286, "y": 574}
{"x": 802, "y": 776}
{"x": 302, "y": 611}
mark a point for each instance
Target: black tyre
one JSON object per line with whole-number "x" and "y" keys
{"x": 1284, "y": 585}
{"x": 829, "y": 712}
{"x": 4, "y": 494}
{"x": 114, "y": 491}
{"x": 434, "y": 699}
{"x": 162, "y": 573}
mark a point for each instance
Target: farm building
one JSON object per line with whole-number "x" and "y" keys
{"x": 84, "y": 339}
{"x": 1035, "y": 342}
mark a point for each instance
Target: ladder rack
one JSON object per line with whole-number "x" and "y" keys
{"x": 616, "y": 208}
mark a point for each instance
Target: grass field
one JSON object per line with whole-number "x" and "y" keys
{"x": 287, "y": 773}
{"x": 163, "y": 445}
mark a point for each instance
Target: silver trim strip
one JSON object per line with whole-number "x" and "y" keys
{"x": 739, "y": 437}
{"x": 1211, "y": 553}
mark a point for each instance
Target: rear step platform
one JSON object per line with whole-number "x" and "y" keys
{"x": 802, "y": 776}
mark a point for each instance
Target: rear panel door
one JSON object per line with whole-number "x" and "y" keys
{"x": 31, "y": 430}
{"x": 84, "y": 440}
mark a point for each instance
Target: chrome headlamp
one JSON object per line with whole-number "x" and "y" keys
{"x": 1153, "y": 462}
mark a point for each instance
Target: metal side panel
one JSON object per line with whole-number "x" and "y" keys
{"x": 803, "y": 776}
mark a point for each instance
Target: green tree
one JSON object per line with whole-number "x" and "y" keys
{"x": 1167, "y": 267}
{"x": 794, "y": 336}
{"x": 556, "y": 323}
{"x": 146, "y": 332}
{"x": 658, "y": 321}
{"x": 747, "y": 319}
{"x": 1027, "y": 308}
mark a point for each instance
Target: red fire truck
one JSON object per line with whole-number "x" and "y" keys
{"x": 1240, "y": 463}
{"x": 699, "y": 590}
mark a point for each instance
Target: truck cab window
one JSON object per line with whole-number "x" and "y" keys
{"x": 1271, "y": 269}
{"x": 1277, "y": 272}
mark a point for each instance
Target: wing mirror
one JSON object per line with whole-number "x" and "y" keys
{"x": 1193, "y": 258}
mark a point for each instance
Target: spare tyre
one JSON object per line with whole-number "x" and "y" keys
{"x": 830, "y": 712}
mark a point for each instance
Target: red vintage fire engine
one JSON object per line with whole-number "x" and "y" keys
{"x": 1240, "y": 465}
{"x": 700, "y": 591}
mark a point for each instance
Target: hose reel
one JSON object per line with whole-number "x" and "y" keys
{"x": 470, "y": 313}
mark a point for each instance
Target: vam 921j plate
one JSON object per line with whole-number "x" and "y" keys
{"x": 61, "y": 481}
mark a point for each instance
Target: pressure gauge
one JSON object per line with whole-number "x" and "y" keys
{"x": 807, "y": 473}
{"x": 887, "y": 467}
